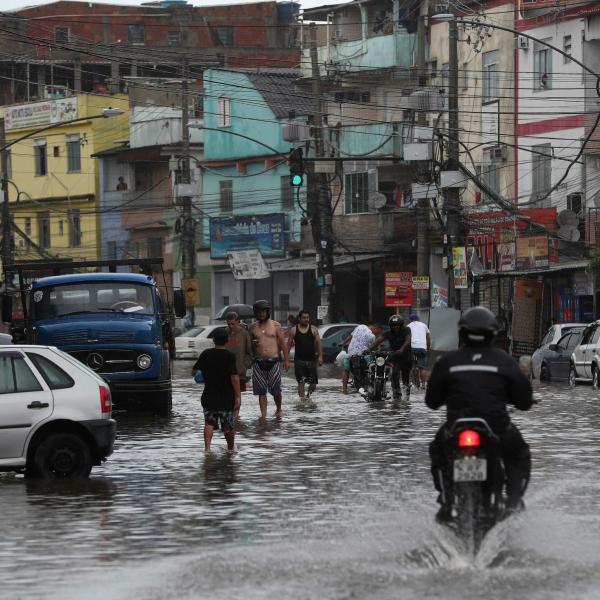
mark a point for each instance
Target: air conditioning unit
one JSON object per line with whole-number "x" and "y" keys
{"x": 522, "y": 43}
{"x": 499, "y": 153}
{"x": 295, "y": 132}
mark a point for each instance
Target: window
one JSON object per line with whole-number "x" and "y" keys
{"x": 596, "y": 336}
{"x": 28, "y": 225}
{"x": 490, "y": 173}
{"x": 225, "y": 300}
{"x": 40, "y": 157}
{"x": 44, "y": 229}
{"x": 548, "y": 337}
{"x": 542, "y": 66}
{"x": 136, "y": 34}
{"x": 225, "y": 35}
{"x": 155, "y": 247}
{"x": 226, "y": 196}
{"x": 465, "y": 76}
{"x": 174, "y": 38}
{"x": 574, "y": 203}
{"x": 491, "y": 76}
{"x": 16, "y": 376}
{"x": 284, "y": 302}
{"x": 224, "y": 112}
{"x": 356, "y": 97}
{"x": 111, "y": 250}
{"x": 74, "y": 228}
{"x": 573, "y": 341}
{"x": 61, "y": 35}
{"x": 8, "y": 155}
{"x": 445, "y": 74}
{"x": 541, "y": 170}
{"x": 587, "y": 335}
{"x": 53, "y": 375}
{"x": 287, "y": 194}
{"x": 61, "y": 228}
{"x": 356, "y": 187}
{"x": 567, "y": 49}
{"x": 73, "y": 153}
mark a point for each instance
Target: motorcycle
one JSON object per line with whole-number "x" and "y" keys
{"x": 472, "y": 490}
{"x": 378, "y": 371}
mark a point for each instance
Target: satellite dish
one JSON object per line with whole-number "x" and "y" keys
{"x": 376, "y": 201}
{"x": 567, "y": 218}
{"x": 569, "y": 233}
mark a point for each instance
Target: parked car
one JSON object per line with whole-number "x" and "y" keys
{"x": 556, "y": 359}
{"x": 193, "y": 342}
{"x": 331, "y": 336}
{"x": 5, "y": 338}
{"x": 55, "y": 414}
{"x": 552, "y": 335}
{"x": 585, "y": 363}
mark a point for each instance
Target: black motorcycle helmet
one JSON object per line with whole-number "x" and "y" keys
{"x": 395, "y": 321}
{"x": 261, "y": 305}
{"x": 477, "y": 327}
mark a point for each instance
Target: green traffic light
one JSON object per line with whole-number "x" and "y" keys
{"x": 296, "y": 180}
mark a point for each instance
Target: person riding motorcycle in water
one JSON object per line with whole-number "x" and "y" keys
{"x": 478, "y": 380}
{"x": 398, "y": 338}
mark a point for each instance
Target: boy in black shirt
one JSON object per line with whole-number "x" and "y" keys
{"x": 221, "y": 397}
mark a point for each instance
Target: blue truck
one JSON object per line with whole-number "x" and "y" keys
{"x": 118, "y": 324}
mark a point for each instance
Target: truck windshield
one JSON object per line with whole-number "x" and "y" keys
{"x": 92, "y": 297}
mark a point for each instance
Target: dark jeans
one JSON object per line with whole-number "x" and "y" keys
{"x": 400, "y": 368}
{"x": 515, "y": 455}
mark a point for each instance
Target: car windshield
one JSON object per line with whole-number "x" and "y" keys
{"x": 92, "y": 297}
{"x": 193, "y": 332}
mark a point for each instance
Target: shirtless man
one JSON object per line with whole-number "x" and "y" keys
{"x": 267, "y": 342}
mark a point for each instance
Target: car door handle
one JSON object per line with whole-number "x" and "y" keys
{"x": 38, "y": 404}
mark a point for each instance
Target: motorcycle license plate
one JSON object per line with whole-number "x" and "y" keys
{"x": 470, "y": 468}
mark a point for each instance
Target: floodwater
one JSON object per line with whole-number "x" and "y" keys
{"x": 331, "y": 501}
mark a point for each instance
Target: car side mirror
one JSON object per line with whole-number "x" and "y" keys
{"x": 179, "y": 303}
{"x": 7, "y": 307}
{"x": 554, "y": 347}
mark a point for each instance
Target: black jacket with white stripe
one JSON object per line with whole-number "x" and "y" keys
{"x": 477, "y": 381}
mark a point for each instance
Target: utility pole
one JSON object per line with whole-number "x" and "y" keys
{"x": 7, "y": 243}
{"x": 318, "y": 193}
{"x": 422, "y": 203}
{"x": 452, "y": 197}
{"x": 188, "y": 254}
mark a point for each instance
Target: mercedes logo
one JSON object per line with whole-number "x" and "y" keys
{"x": 95, "y": 361}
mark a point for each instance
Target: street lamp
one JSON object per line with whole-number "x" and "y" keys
{"x": 6, "y": 228}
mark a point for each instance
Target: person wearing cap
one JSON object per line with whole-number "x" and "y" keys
{"x": 241, "y": 345}
{"x": 221, "y": 396}
{"x": 420, "y": 343}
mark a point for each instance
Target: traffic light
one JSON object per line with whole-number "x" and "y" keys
{"x": 296, "y": 163}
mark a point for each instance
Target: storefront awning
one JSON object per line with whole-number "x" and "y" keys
{"x": 564, "y": 266}
{"x": 307, "y": 263}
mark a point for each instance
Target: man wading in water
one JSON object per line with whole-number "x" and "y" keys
{"x": 268, "y": 342}
{"x": 308, "y": 353}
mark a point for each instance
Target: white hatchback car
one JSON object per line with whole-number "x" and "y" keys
{"x": 55, "y": 414}
{"x": 195, "y": 341}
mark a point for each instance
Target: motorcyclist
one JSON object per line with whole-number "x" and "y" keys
{"x": 479, "y": 380}
{"x": 398, "y": 338}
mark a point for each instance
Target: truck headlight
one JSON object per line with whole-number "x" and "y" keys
{"x": 144, "y": 361}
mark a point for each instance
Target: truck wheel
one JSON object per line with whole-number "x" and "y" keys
{"x": 62, "y": 456}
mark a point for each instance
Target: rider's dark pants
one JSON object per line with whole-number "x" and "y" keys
{"x": 401, "y": 368}
{"x": 515, "y": 455}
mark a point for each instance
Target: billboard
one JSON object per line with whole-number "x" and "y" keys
{"x": 248, "y": 232}
{"x": 22, "y": 116}
{"x": 526, "y": 315}
{"x": 506, "y": 257}
{"x": 459, "y": 267}
{"x": 532, "y": 252}
{"x": 398, "y": 289}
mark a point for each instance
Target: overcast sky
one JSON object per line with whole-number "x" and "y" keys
{"x": 12, "y": 4}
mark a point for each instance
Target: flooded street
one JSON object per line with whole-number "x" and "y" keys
{"x": 334, "y": 500}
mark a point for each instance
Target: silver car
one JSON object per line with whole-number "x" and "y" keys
{"x": 552, "y": 335}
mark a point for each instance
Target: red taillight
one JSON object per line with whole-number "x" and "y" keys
{"x": 105, "y": 400}
{"x": 468, "y": 438}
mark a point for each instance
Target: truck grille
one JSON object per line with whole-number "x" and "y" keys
{"x": 108, "y": 360}
{"x": 114, "y": 337}
{"x": 75, "y": 336}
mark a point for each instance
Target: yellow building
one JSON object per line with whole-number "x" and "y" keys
{"x": 54, "y": 189}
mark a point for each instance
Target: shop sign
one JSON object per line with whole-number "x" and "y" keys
{"x": 191, "y": 291}
{"x": 526, "y": 315}
{"x": 23, "y": 116}
{"x": 532, "y": 252}
{"x": 420, "y": 282}
{"x": 459, "y": 267}
{"x": 439, "y": 297}
{"x": 506, "y": 257}
{"x": 247, "y": 232}
{"x": 398, "y": 289}
{"x": 247, "y": 264}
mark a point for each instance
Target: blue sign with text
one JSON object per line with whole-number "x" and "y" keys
{"x": 263, "y": 232}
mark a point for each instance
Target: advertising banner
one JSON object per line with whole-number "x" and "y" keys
{"x": 398, "y": 289}
{"x": 459, "y": 266}
{"x": 532, "y": 252}
{"x": 439, "y": 296}
{"x": 246, "y": 232}
{"x": 420, "y": 282}
{"x": 506, "y": 257}
{"x": 36, "y": 114}
{"x": 247, "y": 264}
{"x": 526, "y": 316}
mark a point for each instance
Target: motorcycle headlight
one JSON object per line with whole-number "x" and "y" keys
{"x": 380, "y": 361}
{"x": 144, "y": 361}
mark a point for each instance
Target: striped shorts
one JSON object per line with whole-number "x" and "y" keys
{"x": 266, "y": 380}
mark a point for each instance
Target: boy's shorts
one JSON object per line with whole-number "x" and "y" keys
{"x": 420, "y": 356}
{"x": 225, "y": 418}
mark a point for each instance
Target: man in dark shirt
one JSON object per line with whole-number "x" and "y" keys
{"x": 398, "y": 338}
{"x": 221, "y": 397}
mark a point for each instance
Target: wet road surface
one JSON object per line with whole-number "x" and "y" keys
{"x": 331, "y": 501}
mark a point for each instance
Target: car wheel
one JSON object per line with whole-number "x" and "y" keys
{"x": 544, "y": 372}
{"x": 572, "y": 377}
{"x": 62, "y": 456}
